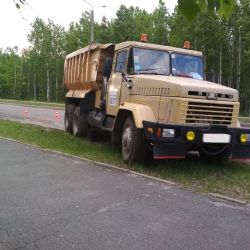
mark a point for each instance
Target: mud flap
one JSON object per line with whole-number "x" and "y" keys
{"x": 163, "y": 150}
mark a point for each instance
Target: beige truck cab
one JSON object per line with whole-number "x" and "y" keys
{"x": 152, "y": 99}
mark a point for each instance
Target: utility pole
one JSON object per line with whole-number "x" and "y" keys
{"x": 92, "y": 25}
{"x": 92, "y": 20}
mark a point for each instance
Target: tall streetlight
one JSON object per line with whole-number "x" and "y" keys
{"x": 92, "y": 18}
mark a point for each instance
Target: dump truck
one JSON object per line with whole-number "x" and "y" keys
{"x": 152, "y": 99}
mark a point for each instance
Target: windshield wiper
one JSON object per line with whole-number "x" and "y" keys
{"x": 183, "y": 75}
{"x": 148, "y": 71}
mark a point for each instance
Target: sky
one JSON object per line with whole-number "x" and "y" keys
{"x": 15, "y": 26}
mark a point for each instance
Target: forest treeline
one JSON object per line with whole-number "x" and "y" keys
{"x": 36, "y": 73}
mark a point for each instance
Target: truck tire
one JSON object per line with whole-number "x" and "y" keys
{"x": 68, "y": 117}
{"x": 132, "y": 143}
{"x": 80, "y": 123}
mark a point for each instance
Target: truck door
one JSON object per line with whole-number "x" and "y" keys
{"x": 117, "y": 90}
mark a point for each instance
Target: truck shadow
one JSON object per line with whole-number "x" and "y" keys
{"x": 99, "y": 136}
{"x": 192, "y": 165}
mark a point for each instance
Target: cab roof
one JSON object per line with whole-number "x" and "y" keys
{"x": 124, "y": 45}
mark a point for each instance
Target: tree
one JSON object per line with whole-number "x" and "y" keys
{"x": 104, "y": 31}
{"x": 48, "y": 52}
{"x": 130, "y": 23}
{"x": 191, "y": 8}
{"x": 161, "y": 18}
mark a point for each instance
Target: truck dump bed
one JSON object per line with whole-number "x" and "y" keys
{"x": 83, "y": 69}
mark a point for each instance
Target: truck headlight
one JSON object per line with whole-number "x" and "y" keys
{"x": 168, "y": 132}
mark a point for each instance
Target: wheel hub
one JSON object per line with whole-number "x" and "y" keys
{"x": 66, "y": 120}
{"x": 127, "y": 139}
{"x": 75, "y": 124}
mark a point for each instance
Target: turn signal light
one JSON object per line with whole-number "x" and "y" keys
{"x": 158, "y": 132}
{"x": 150, "y": 130}
{"x": 243, "y": 138}
{"x": 190, "y": 135}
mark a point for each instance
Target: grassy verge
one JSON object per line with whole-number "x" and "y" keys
{"x": 33, "y": 103}
{"x": 244, "y": 119}
{"x": 231, "y": 178}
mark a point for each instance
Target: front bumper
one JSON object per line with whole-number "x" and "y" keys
{"x": 178, "y": 146}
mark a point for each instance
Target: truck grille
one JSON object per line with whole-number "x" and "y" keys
{"x": 210, "y": 113}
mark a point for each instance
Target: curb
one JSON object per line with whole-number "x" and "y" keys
{"x": 223, "y": 197}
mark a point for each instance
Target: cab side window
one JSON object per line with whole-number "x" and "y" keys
{"x": 121, "y": 61}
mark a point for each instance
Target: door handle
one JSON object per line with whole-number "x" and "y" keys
{"x": 127, "y": 81}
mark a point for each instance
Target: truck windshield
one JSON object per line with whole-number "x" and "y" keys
{"x": 187, "y": 66}
{"x": 149, "y": 61}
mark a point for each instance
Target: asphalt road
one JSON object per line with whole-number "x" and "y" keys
{"x": 46, "y": 117}
{"x": 50, "y": 201}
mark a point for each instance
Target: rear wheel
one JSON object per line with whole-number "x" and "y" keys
{"x": 80, "y": 123}
{"x": 68, "y": 117}
{"x": 132, "y": 142}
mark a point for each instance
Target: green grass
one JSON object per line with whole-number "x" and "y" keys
{"x": 33, "y": 103}
{"x": 231, "y": 178}
{"x": 244, "y": 119}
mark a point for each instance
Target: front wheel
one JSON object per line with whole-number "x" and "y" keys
{"x": 80, "y": 123}
{"x": 133, "y": 143}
